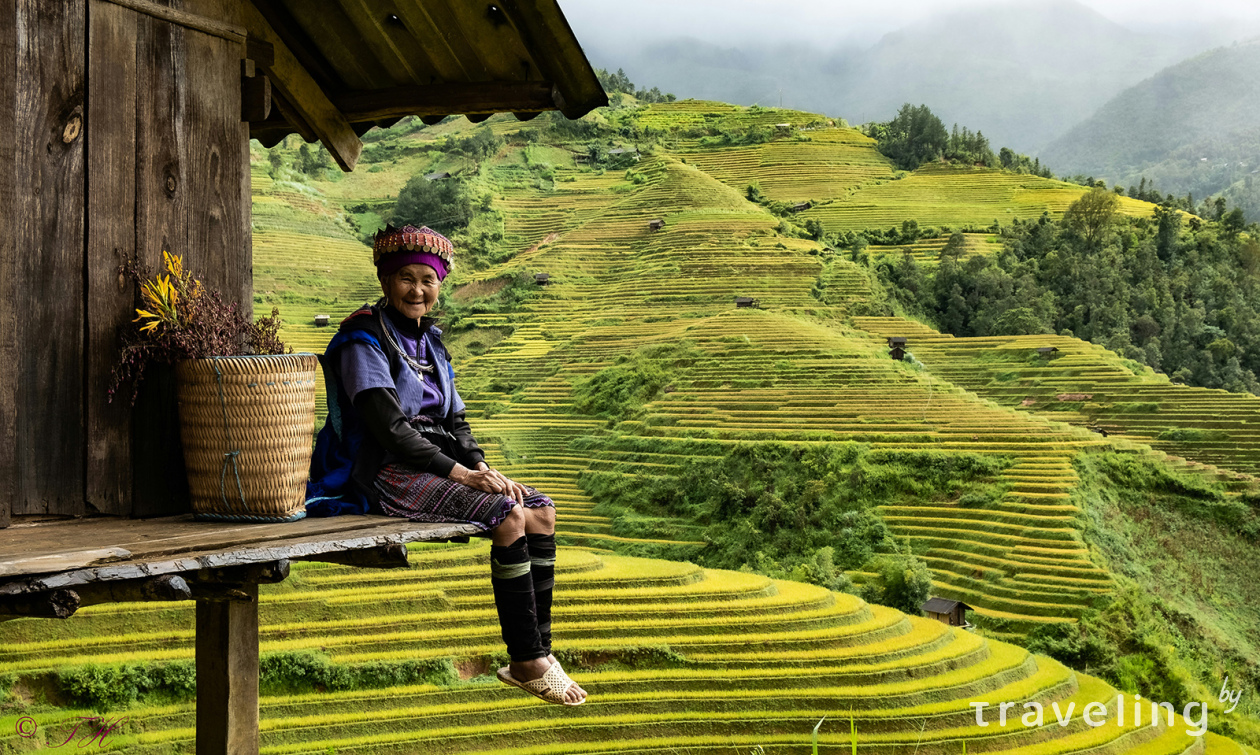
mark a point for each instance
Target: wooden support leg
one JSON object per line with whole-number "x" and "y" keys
{"x": 227, "y": 675}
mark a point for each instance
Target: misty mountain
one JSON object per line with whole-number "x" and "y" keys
{"x": 1022, "y": 74}
{"x": 1193, "y": 127}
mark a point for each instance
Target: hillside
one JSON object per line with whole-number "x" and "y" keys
{"x": 618, "y": 289}
{"x": 629, "y": 383}
{"x": 1020, "y": 72}
{"x": 1190, "y": 128}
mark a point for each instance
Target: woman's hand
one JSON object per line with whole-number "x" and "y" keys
{"x": 499, "y": 482}
{"x": 486, "y": 480}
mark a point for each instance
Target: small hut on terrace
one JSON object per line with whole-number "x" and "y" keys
{"x": 951, "y": 612}
{"x": 124, "y": 131}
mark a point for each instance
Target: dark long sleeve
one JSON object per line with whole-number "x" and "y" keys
{"x": 383, "y": 416}
{"x": 465, "y": 441}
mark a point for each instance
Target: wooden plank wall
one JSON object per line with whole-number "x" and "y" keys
{"x": 159, "y": 161}
{"x": 191, "y": 184}
{"x": 48, "y": 213}
{"x": 111, "y": 237}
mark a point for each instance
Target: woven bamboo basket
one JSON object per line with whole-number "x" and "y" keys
{"x": 247, "y": 425}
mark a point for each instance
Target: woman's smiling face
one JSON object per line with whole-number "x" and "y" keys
{"x": 412, "y": 290}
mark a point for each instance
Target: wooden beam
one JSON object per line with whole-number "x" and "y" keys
{"x": 485, "y": 98}
{"x": 255, "y": 98}
{"x": 303, "y": 95}
{"x": 214, "y": 27}
{"x": 227, "y": 675}
{"x": 268, "y": 572}
{"x": 61, "y": 604}
{"x": 55, "y": 604}
{"x": 546, "y": 34}
{"x": 393, "y": 556}
{"x": 164, "y": 587}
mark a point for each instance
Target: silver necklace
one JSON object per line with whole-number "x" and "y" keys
{"x": 417, "y": 365}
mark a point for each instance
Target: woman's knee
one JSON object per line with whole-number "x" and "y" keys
{"x": 541, "y": 519}
{"x": 512, "y": 526}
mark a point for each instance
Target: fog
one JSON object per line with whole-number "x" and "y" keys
{"x": 611, "y": 26}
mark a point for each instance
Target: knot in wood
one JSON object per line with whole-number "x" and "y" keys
{"x": 72, "y": 129}
{"x": 170, "y": 183}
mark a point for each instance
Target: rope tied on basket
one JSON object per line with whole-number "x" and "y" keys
{"x": 229, "y": 457}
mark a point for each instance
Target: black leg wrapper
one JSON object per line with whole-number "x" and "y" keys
{"x": 542, "y": 563}
{"x": 514, "y": 598}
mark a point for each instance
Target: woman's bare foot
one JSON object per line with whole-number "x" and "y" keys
{"x": 575, "y": 688}
{"x": 527, "y": 671}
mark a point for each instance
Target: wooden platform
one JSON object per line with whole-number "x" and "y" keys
{"x": 43, "y": 555}
{"x": 49, "y": 568}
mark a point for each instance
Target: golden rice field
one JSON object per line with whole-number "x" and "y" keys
{"x": 754, "y": 663}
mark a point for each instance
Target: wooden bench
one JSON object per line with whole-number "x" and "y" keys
{"x": 52, "y": 567}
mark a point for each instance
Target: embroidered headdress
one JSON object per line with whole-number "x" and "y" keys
{"x": 394, "y": 248}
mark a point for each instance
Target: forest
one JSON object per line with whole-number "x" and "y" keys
{"x": 1174, "y": 292}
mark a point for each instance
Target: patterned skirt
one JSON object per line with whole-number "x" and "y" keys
{"x": 425, "y": 497}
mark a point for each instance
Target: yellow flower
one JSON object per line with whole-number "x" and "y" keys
{"x": 174, "y": 265}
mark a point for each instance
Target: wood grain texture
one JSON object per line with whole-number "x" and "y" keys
{"x": 49, "y": 205}
{"x": 216, "y": 165}
{"x": 354, "y": 533}
{"x": 162, "y": 213}
{"x": 111, "y": 237}
{"x": 483, "y": 98}
{"x": 207, "y": 25}
{"x": 8, "y": 259}
{"x": 303, "y": 98}
{"x": 227, "y": 675}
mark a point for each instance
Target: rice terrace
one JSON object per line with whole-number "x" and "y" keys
{"x": 788, "y": 396}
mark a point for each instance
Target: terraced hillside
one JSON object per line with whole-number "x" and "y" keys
{"x": 1086, "y": 385}
{"x": 808, "y": 367}
{"x": 743, "y": 663}
{"x": 944, "y": 195}
{"x": 928, "y": 251}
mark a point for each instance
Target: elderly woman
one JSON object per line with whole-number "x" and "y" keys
{"x": 396, "y": 443}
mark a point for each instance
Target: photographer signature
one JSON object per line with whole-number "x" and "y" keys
{"x": 27, "y": 727}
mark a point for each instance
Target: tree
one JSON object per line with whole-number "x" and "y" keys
{"x": 443, "y": 205}
{"x": 1092, "y": 214}
{"x": 313, "y": 162}
{"x": 1233, "y": 222}
{"x": 903, "y": 583}
{"x": 954, "y": 247}
{"x": 914, "y": 137}
{"x": 1168, "y": 222}
{"x": 814, "y": 228}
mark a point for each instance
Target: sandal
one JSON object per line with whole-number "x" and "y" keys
{"x": 550, "y": 687}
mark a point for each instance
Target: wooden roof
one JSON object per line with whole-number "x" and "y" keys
{"x": 376, "y": 61}
{"x": 942, "y": 605}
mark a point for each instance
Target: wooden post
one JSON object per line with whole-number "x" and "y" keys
{"x": 227, "y": 675}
